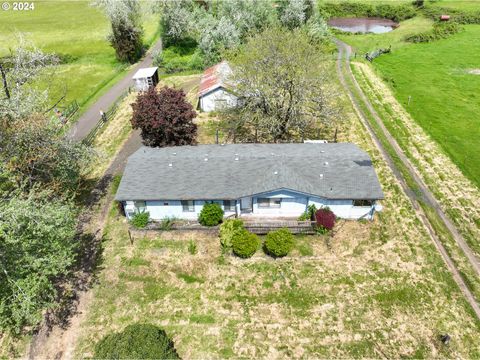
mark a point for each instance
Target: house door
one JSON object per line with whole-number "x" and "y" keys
{"x": 246, "y": 204}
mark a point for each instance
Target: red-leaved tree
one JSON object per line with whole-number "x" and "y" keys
{"x": 165, "y": 118}
{"x": 325, "y": 218}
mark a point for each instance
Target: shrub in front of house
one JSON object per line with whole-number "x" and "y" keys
{"x": 309, "y": 214}
{"x": 279, "y": 243}
{"x": 140, "y": 220}
{"x": 228, "y": 230}
{"x": 211, "y": 214}
{"x": 325, "y": 218}
{"x": 137, "y": 341}
{"x": 245, "y": 244}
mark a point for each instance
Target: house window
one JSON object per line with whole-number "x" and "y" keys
{"x": 363, "y": 203}
{"x": 165, "y": 203}
{"x": 140, "y": 206}
{"x": 188, "y": 205}
{"x": 228, "y": 205}
{"x": 269, "y": 203}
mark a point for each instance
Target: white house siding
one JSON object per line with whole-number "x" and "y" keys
{"x": 342, "y": 208}
{"x": 292, "y": 204}
{"x": 158, "y": 210}
{"x": 209, "y": 102}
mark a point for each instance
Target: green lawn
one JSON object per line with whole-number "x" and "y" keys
{"x": 445, "y": 98}
{"x": 75, "y": 29}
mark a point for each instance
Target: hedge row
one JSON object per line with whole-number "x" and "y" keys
{"x": 439, "y": 31}
{"x": 393, "y": 12}
{"x": 458, "y": 16}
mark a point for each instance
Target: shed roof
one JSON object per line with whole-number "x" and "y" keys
{"x": 145, "y": 72}
{"x": 332, "y": 171}
{"x": 214, "y": 77}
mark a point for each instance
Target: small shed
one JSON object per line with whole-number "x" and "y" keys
{"x": 145, "y": 77}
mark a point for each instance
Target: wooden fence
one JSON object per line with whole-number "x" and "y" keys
{"x": 257, "y": 226}
{"x": 296, "y": 227}
{"x": 88, "y": 140}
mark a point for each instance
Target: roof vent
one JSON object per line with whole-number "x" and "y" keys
{"x": 170, "y": 165}
{"x": 206, "y": 159}
{"x": 325, "y": 163}
{"x": 321, "y": 176}
{"x": 174, "y": 154}
{"x": 222, "y": 144}
{"x": 272, "y": 154}
{"x": 236, "y": 158}
{"x": 322, "y": 151}
{"x": 275, "y": 172}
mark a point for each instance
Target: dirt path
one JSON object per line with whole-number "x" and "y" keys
{"x": 343, "y": 68}
{"x": 58, "y": 341}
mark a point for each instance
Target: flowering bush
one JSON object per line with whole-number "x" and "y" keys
{"x": 325, "y": 218}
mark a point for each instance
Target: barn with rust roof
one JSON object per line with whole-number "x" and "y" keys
{"x": 215, "y": 91}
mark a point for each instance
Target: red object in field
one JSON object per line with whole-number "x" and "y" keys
{"x": 444, "y": 17}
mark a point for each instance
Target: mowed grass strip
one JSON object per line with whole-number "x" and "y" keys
{"x": 441, "y": 78}
{"x": 445, "y": 96}
{"x": 77, "y": 32}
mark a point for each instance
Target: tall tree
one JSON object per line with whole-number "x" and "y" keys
{"x": 127, "y": 32}
{"x": 37, "y": 247}
{"x": 35, "y": 151}
{"x": 165, "y": 118}
{"x": 283, "y": 79}
{"x": 18, "y": 71}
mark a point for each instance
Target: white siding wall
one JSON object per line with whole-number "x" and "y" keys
{"x": 208, "y": 103}
{"x": 159, "y": 211}
{"x": 342, "y": 208}
{"x": 293, "y": 204}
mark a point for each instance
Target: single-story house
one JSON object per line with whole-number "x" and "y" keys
{"x": 215, "y": 91}
{"x": 250, "y": 180}
{"x": 145, "y": 77}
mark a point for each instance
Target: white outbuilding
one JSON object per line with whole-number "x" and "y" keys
{"x": 145, "y": 77}
{"x": 215, "y": 92}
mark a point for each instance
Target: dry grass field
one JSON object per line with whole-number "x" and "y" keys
{"x": 374, "y": 289}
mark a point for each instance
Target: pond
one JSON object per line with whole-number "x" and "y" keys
{"x": 363, "y": 25}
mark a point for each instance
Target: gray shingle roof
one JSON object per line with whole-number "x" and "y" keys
{"x": 182, "y": 173}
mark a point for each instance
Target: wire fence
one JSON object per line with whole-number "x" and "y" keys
{"x": 105, "y": 117}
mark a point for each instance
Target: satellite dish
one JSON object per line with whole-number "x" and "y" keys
{"x": 378, "y": 207}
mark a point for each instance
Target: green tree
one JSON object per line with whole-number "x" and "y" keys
{"x": 127, "y": 31}
{"x": 37, "y": 247}
{"x": 35, "y": 151}
{"x": 285, "y": 84}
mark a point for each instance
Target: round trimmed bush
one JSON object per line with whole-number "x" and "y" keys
{"x": 325, "y": 218}
{"x": 211, "y": 214}
{"x": 279, "y": 243}
{"x": 137, "y": 341}
{"x": 244, "y": 243}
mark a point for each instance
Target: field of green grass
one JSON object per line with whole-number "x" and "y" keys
{"x": 77, "y": 32}
{"x": 440, "y": 78}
